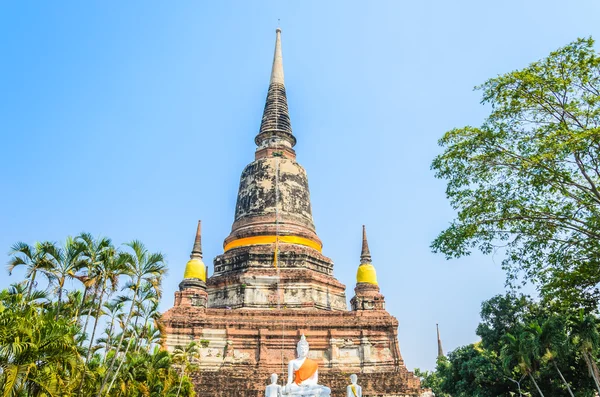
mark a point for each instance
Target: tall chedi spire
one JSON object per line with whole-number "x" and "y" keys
{"x": 276, "y": 127}
{"x": 366, "y": 293}
{"x": 273, "y": 199}
{"x": 273, "y": 209}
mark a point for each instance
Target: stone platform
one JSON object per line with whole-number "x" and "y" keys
{"x": 241, "y": 348}
{"x": 235, "y": 383}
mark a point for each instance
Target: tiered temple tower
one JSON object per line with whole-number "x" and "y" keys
{"x": 272, "y": 284}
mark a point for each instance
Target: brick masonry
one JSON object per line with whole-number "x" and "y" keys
{"x": 249, "y": 315}
{"x": 241, "y": 348}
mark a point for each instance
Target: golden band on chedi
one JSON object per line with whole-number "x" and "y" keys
{"x": 259, "y": 240}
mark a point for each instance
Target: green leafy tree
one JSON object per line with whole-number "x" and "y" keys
{"x": 557, "y": 355}
{"x": 471, "y": 371}
{"x": 431, "y": 380}
{"x": 585, "y": 336}
{"x": 521, "y": 339}
{"x": 527, "y": 180}
{"x": 554, "y": 342}
{"x": 499, "y": 315}
{"x": 519, "y": 354}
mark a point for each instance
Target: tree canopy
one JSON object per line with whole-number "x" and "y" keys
{"x": 527, "y": 181}
{"x": 525, "y": 349}
{"x": 51, "y": 339}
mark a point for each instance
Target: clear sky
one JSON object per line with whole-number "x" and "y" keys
{"x": 135, "y": 119}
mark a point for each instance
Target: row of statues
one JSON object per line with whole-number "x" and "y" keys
{"x": 303, "y": 378}
{"x": 275, "y": 390}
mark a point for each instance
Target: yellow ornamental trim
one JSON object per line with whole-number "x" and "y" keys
{"x": 263, "y": 240}
{"x": 195, "y": 269}
{"x": 366, "y": 274}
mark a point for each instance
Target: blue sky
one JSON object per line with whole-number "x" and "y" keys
{"x": 135, "y": 119}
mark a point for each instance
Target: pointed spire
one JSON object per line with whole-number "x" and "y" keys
{"x": 365, "y": 254}
{"x": 277, "y": 70}
{"x": 197, "y": 250}
{"x": 440, "y": 350}
{"x": 275, "y": 127}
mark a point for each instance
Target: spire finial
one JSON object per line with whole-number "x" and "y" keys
{"x": 440, "y": 350}
{"x": 197, "y": 250}
{"x": 277, "y": 70}
{"x": 365, "y": 254}
{"x": 275, "y": 127}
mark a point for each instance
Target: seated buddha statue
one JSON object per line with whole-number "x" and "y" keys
{"x": 303, "y": 375}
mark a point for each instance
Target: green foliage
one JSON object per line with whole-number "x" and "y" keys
{"x": 45, "y": 346}
{"x": 525, "y": 348}
{"x": 472, "y": 371}
{"x": 186, "y": 357}
{"x": 527, "y": 180}
{"x": 500, "y": 315}
{"x": 431, "y": 380}
{"x": 38, "y": 353}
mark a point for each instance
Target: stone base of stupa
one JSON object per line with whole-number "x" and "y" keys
{"x": 240, "y": 349}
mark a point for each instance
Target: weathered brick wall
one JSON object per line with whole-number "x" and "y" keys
{"x": 241, "y": 348}
{"x": 252, "y": 383}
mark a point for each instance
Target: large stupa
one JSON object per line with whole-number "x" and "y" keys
{"x": 273, "y": 284}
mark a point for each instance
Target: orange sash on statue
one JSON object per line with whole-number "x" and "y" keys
{"x": 306, "y": 370}
{"x": 353, "y": 390}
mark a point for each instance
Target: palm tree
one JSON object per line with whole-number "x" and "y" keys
{"x": 33, "y": 257}
{"x": 142, "y": 267}
{"x": 109, "y": 265}
{"x": 108, "y": 273}
{"x": 72, "y": 303}
{"x": 552, "y": 336}
{"x": 66, "y": 262}
{"x": 151, "y": 320}
{"x": 147, "y": 309}
{"x": 185, "y": 356}
{"x": 520, "y": 351}
{"x": 584, "y": 335}
{"x": 147, "y": 374}
{"x": 94, "y": 251}
{"x": 38, "y": 353}
{"x": 113, "y": 309}
{"x": 153, "y": 335}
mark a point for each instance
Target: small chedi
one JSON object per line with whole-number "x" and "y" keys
{"x": 272, "y": 284}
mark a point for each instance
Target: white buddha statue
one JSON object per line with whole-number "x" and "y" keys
{"x": 273, "y": 390}
{"x": 353, "y": 390}
{"x": 303, "y": 375}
